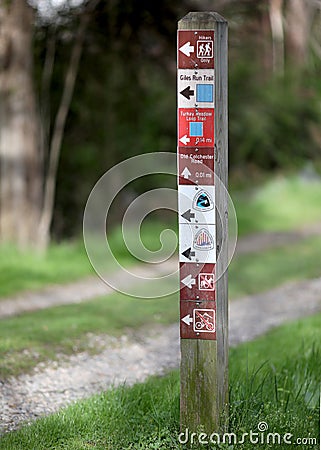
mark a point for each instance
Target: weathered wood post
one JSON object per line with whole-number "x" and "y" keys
{"x": 202, "y": 150}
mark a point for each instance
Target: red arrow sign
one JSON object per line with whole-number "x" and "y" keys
{"x": 197, "y": 281}
{"x": 196, "y": 127}
{"x": 198, "y": 320}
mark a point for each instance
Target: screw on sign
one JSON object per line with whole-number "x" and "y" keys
{"x": 196, "y": 127}
{"x": 196, "y": 165}
{"x": 196, "y": 204}
{"x": 196, "y": 49}
{"x": 197, "y": 243}
{"x": 195, "y": 88}
{"x": 198, "y": 320}
{"x": 197, "y": 281}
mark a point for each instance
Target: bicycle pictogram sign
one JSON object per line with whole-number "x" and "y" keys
{"x": 204, "y": 320}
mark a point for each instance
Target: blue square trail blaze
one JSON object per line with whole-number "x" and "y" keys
{"x": 196, "y": 129}
{"x": 204, "y": 92}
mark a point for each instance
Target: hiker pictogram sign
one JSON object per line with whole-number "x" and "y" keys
{"x": 195, "y": 49}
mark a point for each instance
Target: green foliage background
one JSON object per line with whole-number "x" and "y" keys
{"x": 125, "y": 98}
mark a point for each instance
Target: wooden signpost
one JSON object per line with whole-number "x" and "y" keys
{"x": 202, "y": 152}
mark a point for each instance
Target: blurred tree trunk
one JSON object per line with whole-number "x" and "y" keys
{"x": 276, "y": 21}
{"x": 58, "y": 133}
{"x": 27, "y": 188}
{"x": 20, "y": 161}
{"x": 299, "y": 14}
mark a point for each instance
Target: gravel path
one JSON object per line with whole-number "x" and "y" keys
{"x": 134, "y": 357}
{"x": 91, "y": 287}
{"x": 263, "y": 241}
{"x": 78, "y": 291}
{"x": 126, "y": 360}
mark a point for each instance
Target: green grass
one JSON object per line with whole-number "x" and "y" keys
{"x": 36, "y": 336}
{"x": 64, "y": 262}
{"x": 279, "y": 387}
{"x": 28, "y": 270}
{"x": 280, "y": 204}
{"x": 258, "y": 272}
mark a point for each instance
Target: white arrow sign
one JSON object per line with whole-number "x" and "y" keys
{"x": 187, "y": 319}
{"x": 184, "y": 140}
{"x": 187, "y": 49}
{"x": 186, "y": 173}
{"x": 188, "y": 281}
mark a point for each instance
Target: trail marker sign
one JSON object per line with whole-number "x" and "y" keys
{"x": 196, "y": 127}
{"x": 197, "y": 203}
{"x": 197, "y": 281}
{"x": 196, "y": 165}
{"x": 202, "y": 159}
{"x": 195, "y": 49}
{"x": 197, "y": 320}
{"x": 195, "y": 88}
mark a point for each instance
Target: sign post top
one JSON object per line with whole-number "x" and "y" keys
{"x": 200, "y": 21}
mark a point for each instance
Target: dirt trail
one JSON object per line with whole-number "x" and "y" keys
{"x": 262, "y": 241}
{"x": 147, "y": 352}
{"x": 78, "y": 291}
{"x": 92, "y": 287}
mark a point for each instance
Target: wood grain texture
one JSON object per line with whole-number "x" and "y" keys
{"x": 204, "y": 364}
{"x": 199, "y": 407}
{"x": 221, "y": 172}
